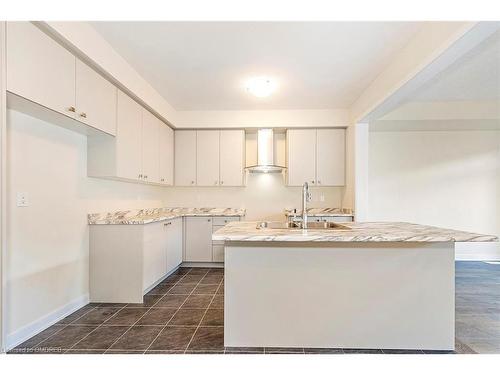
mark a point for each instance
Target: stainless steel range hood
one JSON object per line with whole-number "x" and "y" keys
{"x": 265, "y": 153}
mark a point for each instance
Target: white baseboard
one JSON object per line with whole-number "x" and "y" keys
{"x": 477, "y": 251}
{"x": 203, "y": 264}
{"x": 24, "y": 333}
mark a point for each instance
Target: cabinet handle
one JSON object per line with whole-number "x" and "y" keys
{"x": 71, "y": 109}
{"x": 215, "y": 183}
{"x": 192, "y": 182}
{"x": 312, "y": 182}
{"x": 162, "y": 179}
{"x": 319, "y": 182}
{"x": 83, "y": 114}
{"x": 209, "y": 220}
{"x": 145, "y": 177}
{"x": 140, "y": 176}
{"x": 167, "y": 223}
{"x": 222, "y": 182}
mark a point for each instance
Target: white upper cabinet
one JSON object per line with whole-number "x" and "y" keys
{"x": 301, "y": 156}
{"x": 232, "y": 157}
{"x": 40, "y": 69}
{"x": 134, "y": 154}
{"x": 316, "y": 156}
{"x": 166, "y": 155}
{"x": 185, "y": 158}
{"x": 207, "y": 157}
{"x": 95, "y": 99}
{"x": 150, "y": 147}
{"x": 330, "y": 157}
{"x": 128, "y": 138}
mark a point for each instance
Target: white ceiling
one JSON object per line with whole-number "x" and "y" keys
{"x": 475, "y": 76}
{"x": 202, "y": 65}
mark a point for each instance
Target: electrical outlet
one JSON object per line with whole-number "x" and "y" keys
{"x": 22, "y": 200}
{"x": 322, "y": 197}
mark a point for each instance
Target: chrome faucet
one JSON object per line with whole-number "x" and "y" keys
{"x": 306, "y": 197}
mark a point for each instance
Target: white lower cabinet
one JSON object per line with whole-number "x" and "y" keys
{"x": 199, "y": 246}
{"x": 174, "y": 243}
{"x": 154, "y": 265}
{"x": 128, "y": 260}
{"x": 198, "y": 239}
{"x": 218, "y": 253}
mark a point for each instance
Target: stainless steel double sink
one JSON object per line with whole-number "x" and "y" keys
{"x": 298, "y": 225}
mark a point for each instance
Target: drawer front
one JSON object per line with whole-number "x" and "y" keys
{"x": 316, "y": 219}
{"x": 218, "y": 253}
{"x": 223, "y": 220}
{"x": 337, "y": 219}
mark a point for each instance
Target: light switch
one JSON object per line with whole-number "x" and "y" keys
{"x": 22, "y": 200}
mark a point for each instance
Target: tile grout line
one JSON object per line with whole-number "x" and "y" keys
{"x": 182, "y": 304}
{"x": 100, "y": 325}
{"x": 65, "y": 326}
{"x": 194, "y": 334}
{"x": 149, "y": 309}
{"x": 104, "y": 321}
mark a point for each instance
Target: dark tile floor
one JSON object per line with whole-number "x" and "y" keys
{"x": 185, "y": 314}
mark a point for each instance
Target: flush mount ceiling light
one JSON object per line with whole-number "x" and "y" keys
{"x": 261, "y": 87}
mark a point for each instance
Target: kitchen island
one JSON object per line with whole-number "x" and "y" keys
{"x": 363, "y": 286}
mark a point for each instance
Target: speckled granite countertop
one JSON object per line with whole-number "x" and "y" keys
{"x": 151, "y": 215}
{"x": 323, "y": 212}
{"x": 357, "y": 232}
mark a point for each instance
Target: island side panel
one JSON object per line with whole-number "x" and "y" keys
{"x": 342, "y": 295}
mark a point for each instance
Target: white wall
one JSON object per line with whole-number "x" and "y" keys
{"x": 443, "y": 178}
{"x": 265, "y": 197}
{"x": 47, "y": 242}
{"x": 265, "y": 118}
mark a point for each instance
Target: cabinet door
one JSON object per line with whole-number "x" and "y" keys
{"x": 39, "y": 68}
{"x": 185, "y": 158}
{"x": 154, "y": 253}
{"x": 150, "y": 147}
{"x": 218, "y": 253}
{"x": 174, "y": 244}
{"x": 207, "y": 157}
{"x": 301, "y": 156}
{"x": 198, "y": 237}
{"x": 330, "y": 157}
{"x": 95, "y": 99}
{"x": 128, "y": 138}
{"x": 232, "y": 149}
{"x": 166, "y": 155}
